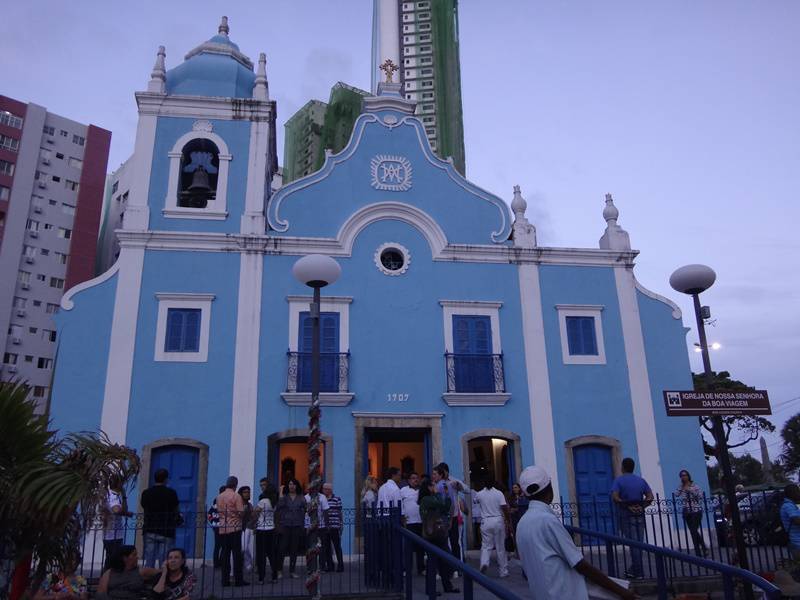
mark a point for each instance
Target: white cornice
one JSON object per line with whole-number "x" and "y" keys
{"x": 325, "y": 299}
{"x": 205, "y": 107}
{"x": 297, "y": 246}
{"x": 325, "y": 398}
{"x": 185, "y": 296}
{"x": 470, "y": 303}
{"x": 496, "y": 399}
{"x": 597, "y": 307}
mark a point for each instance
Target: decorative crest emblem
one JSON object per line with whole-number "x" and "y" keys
{"x": 389, "y": 68}
{"x": 203, "y": 125}
{"x": 391, "y": 173}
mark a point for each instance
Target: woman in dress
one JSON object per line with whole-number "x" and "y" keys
{"x": 176, "y": 581}
{"x": 125, "y": 579}
{"x": 64, "y": 585}
{"x": 691, "y": 498}
{"x": 289, "y": 519}
{"x": 435, "y": 512}
{"x": 266, "y": 539}
{"x": 248, "y": 524}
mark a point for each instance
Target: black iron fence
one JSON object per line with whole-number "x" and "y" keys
{"x": 363, "y": 555}
{"x": 702, "y": 528}
{"x": 334, "y": 372}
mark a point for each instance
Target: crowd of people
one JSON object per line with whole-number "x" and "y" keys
{"x": 260, "y": 535}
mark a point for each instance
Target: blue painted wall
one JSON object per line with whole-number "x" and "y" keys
{"x": 84, "y": 336}
{"x": 343, "y": 188}
{"x": 668, "y": 368}
{"x": 193, "y": 400}
{"x": 586, "y": 399}
{"x": 237, "y": 136}
{"x": 396, "y": 345}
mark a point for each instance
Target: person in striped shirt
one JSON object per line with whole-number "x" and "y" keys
{"x": 333, "y": 531}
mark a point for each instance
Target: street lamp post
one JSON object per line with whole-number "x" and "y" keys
{"x": 315, "y": 271}
{"x": 693, "y": 280}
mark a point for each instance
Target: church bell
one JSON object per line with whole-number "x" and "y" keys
{"x": 199, "y": 191}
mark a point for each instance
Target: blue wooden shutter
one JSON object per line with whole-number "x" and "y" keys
{"x": 581, "y": 338}
{"x": 472, "y": 344}
{"x": 183, "y": 330}
{"x": 329, "y": 347}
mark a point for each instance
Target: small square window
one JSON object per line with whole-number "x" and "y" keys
{"x": 581, "y": 330}
{"x": 59, "y": 155}
{"x": 182, "y": 329}
{"x": 581, "y": 338}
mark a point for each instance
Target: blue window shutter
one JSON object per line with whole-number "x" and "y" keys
{"x": 172, "y": 340}
{"x": 581, "y": 337}
{"x": 329, "y": 347}
{"x": 472, "y": 342}
{"x": 191, "y": 330}
{"x": 183, "y": 330}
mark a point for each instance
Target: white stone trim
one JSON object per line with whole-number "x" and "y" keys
{"x": 217, "y": 208}
{"x": 325, "y": 398}
{"x": 441, "y": 250}
{"x": 337, "y": 304}
{"x": 137, "y": 212}
{"x": 581, "y": 310}
{"x": 471, "y": 307}
{"x": 639, "y": 381}
{"x": 398, "y": 211}
{"x": 244, "y": 408}
{"x": 538, "y": 376}
{"x": 458, "y": 399}
{"x": 392, "y": 246}
{"x": 66, "y": 300}
{"x": 122, "y": 344}
{"x": 167, "y": 300}
{"x": 253, "y": 221}
{"x": 395, "y": 415}
{"x": 204, "y": 107}
{"x": 676, "y": 311}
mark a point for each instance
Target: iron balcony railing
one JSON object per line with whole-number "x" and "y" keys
{"x": 334, "y": 372}
{"x": 475, "y": 373}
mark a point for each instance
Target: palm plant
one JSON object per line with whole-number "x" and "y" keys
{"x": 50, "y": 485}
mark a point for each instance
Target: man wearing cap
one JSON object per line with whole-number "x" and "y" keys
{"x": 554, "y": 566}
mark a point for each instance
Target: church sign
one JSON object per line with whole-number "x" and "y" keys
{"x": 704, "y": 404}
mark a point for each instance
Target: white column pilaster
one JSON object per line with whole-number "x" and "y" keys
{"x": 119, "y": 373}
{"x": 544, "y": 443}
{"x": 137, "y": 211}
{"x": 638, "y": 379}
{"x": 253, "y": 221}
{"x": 244, "y": 406}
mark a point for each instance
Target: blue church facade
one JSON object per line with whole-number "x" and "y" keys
{"x": 451, "y": 335}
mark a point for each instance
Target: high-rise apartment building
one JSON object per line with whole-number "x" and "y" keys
{"x": 52, "y": 173}
{"x": 421, "y": 39}
{"x": 318, "y": 127}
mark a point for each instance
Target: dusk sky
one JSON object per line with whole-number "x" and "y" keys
{"x": 687, "y": 112}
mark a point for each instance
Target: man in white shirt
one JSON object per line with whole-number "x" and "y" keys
{"x": 494, "y": 523}
{"x": 410, "y": 496}
{"x": 554, "y": 566}
{"x": 389, "y": 492}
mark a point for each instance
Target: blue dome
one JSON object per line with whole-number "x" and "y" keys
{"x": 210, "y": 74}
{"x": 215, "y": 68}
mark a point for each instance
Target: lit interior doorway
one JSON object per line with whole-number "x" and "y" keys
{"x": 491, "y": 458}
{"x": 406, "y": 449}
{"x": 293, "y": 461}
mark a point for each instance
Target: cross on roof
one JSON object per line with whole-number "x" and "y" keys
{"x": 389, "y": 68}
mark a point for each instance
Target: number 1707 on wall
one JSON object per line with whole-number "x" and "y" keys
{"x": 397, "y": 397}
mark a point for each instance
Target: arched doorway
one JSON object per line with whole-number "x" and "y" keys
{"x": 187, "y": 463}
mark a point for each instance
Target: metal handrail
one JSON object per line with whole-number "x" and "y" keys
{"x": 728, "y": 572}
{"x": 470, "y": 574}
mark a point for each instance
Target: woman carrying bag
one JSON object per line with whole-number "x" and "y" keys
{"x": 435, "y": 513}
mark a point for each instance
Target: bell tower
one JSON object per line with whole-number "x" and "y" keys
{"x": 205, "y": 147}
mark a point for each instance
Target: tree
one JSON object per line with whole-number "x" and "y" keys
{"x": 791, "y": 444}
{"x": 738, "y": 430}
{"x": 747, "y": 470}
{"x": 50, "y": 485}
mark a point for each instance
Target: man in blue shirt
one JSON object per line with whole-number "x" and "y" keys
{"x": 631, "y": 494}
{"x": 790, "y": 517}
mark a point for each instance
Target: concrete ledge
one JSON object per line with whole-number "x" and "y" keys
{"x": 488, "y": 399}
